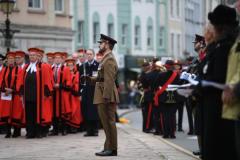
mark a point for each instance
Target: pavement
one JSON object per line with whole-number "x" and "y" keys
{"x": 132, "y": 145}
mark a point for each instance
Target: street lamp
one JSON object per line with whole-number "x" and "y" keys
{"x": 7, "y": 6}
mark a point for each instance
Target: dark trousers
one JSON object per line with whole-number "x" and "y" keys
{"x": 32, "y": 128}
{"x": 147, "y": 115}
{"x": 189, "y": 108}
{"x": 237, "y": 138}
{"x": 59, "y": 125}
{"x": 169, "y": 119}
{"x": 91, "y": 126}
{"x": 158, "y": 119}
{"x": 180, "y": 106}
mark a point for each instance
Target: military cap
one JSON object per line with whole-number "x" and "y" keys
{"x": 107, "y": 38}
{"x": 198, "y": 38}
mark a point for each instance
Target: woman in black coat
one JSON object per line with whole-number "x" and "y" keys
{"x": 218, "y": 133}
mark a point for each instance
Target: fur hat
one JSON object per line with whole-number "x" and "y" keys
{"x": 223, "y": 15}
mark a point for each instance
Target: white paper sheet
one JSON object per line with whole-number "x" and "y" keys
{"x": 6, "y": 97}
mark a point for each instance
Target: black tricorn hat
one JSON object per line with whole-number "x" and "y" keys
{"x": 107, "y": 38}
{"x": 223, "y": 15}
{"x": 2, "y": 57}
{"x": 198, "y": 38}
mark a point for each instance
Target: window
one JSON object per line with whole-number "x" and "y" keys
{"x": 171, "y": 8}
{"x": 149, "y": 36}
{"x": 137, "y": 32}
{"x": 161, "y": 36}
{"x": 178, "y": 8}
{"x": 96, "y": 27}
{"x": 124, "y": 34}
{"x": 96, "y": 31}
{"x": 172, "y": 43}
{"x": 110, "y": 29}
{"x": 137, "y": 35}
{"x": 150, "y": 32}
{"x": 179, "y": 43}
{"x": 59, "y": 5}
{"x": 36, "y": 4}
{"x": 149, "y": 1}
{"x": 80, "y": 32}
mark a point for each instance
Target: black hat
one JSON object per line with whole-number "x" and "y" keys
{"x": 107, "y": 38}
{"x": 198, "y": 38}
{"x": 169, "y": 62}
{"x": 2, "y": 57}
{"x": 223, "y": 15}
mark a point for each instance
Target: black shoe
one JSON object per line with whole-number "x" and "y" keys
{"x": 197, "y": 153}
{"x": 90, "y": 135}
{"x": 172, "y": 136}
{"x": 30, "y": 136}
{"x": 53, "y": 134}
{"x": 190, "y": 133}
{"x": 165, "y": 136}
{"x": 64, "y": 133}
{"x": 180, "y": 130}
{"x": 16, "y": 135}
{"x": 8, "y": 136}
{"x": 157, "y": 133}
{"x": 107, "y": 153}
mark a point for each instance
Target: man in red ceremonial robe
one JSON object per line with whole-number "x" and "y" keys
{"x": 18, "y": 116}
{"x": 61, "y": 97}
{"x": 37, "y": 87}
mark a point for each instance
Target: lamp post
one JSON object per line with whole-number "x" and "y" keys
{"x": 7, "y": 6}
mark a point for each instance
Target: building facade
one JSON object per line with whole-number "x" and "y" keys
{"x": 42, "y": 23}
{"x": 176, "y": 28}
{"x": 134, "y": 24}
{"x": 194, "y": 23}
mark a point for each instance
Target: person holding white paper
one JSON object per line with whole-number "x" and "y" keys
{"x": 8, "y": 85}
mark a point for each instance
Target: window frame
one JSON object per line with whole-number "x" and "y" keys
{"x": 33, "y": 7}
{"x": 63, "y": 7}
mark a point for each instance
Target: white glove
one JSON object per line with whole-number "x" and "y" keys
{"x": 185, "y": 76}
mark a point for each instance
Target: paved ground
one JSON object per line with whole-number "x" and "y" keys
{"x": 133, "y": 145}
{"x": 182, "y": 138}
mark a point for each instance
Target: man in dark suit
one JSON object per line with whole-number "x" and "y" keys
{"x": 89, "y": 109}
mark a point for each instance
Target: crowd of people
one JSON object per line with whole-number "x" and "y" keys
{"x": 59, "y": 94}
{"x": 55, "y": 90}
{"x": 215, "y": 108}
